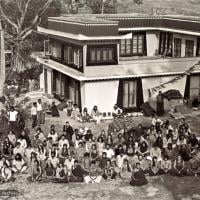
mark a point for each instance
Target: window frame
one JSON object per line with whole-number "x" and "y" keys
{"x": 189, "y": 50}
{"x": 179, "y": 49}
{"x": 101, "y": 54}
{"x": 131, "y": 45}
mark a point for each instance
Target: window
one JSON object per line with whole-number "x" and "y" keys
{"x": 73, "y": 56}
{"x": 195, "y": 86}
{"x": 138, "y": 46}
{"x": 198, "y": 46}
{"x": 134, "y": 46}
{"x": 101, "y": 55}
{"x": 56, "y": 50}
{"x": 189, "y": 48}
{"x": 129, "y": 94}
{"x": 177, "y": 47}
{"x": 165, "y": 47}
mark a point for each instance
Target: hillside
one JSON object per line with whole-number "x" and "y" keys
{"x": 163, "y": 7}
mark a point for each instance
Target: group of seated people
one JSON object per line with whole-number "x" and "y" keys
{"x": 77, "y": 155}
{"x": 95, "y": 116}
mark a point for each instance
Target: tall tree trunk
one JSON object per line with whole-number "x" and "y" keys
{"x": 2, "y": 61}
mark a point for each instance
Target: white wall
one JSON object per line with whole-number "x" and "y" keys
{"x": 102, "y": 93}
{"x": 148, "y": 83}
{"x": 184, "y": 38}
{"x": 152, "y": 38}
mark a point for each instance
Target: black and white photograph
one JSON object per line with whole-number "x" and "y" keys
{"x": 100, "y": 99}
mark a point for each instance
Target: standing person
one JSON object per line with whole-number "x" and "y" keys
{"x": 12, "y": 117}
{"x": 39, "y": 112}
{"x": 160, "y": 104}
{"x": 34, "y": 114}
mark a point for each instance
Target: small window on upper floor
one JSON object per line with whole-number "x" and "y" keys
{"x": 189, "y": 48}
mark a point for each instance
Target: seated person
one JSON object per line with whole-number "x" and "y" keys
{"x": 18, "y": 150}
{"x": 18, "y": 164}
{"x": 75, "y": 114}
{"x": 193, "y": 142}
{"x": 80, "y": 151}
{"x": 96, "y": 115}
{"x": 85, "y": 115}
{"x": 39, "y": 135}
{"x": 143, "y": 149}
{"x": 193, "y": 168}
{"x": 63, "y": 141}
{"x": 61, "y": 174}
{"x": 86, "y": 162}
{"x": 155, "y": 167}
{"x": 69, "y": 163}
{"x": 7, "y": 147}
{"x": 77, "y": 173}
{"x": 109, "y": 151}
{"x": 126, "y": 170}
{"x": 6, "y": 173}
{"x": 166, "y": 165}
{"x": 155, "y": 152}
{"x": 94, "y": 156}
{"x": 179, "y": 167}
{"x": 120, "y": 159}
{"x": 94, "y": 174}
{"x": 36, "y": 171}
{"x": 138, "y": 177}
{"x": 2, "y": 161}
{"x": 12, "y": 137}
{"x": 49, "y": 170}
{"x": 53, "y": 135}
{"x": 109, "y": 171}
{"x": 103, "y": 160}
{"x": 116, "y": 111}
{"x": 54, "y": 110}
{"x": 63, "y": 153}
{"x": 54, "y": 160}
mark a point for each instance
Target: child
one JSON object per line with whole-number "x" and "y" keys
{"x": 61, "y": 174}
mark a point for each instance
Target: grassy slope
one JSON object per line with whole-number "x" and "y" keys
{"x": 185, "y": 7}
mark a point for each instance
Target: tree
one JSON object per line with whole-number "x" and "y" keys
{"x": 101, "y": 6}
{"x": 20, "y": 18}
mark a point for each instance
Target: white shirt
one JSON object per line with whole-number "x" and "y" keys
{"x": 34, "y": 110}
{"x": 39, "y": 107}
{"x": 54, "y": 137}
{"x": 19, "y": 150}
{"x": 54, "y": 161}
{"x": 13, "y": 116}
{"x": 62, "y": 142}
{"x": 120, "y": 160}
{"x": 23, "y": 143}
{"x": 110, "y": 153}
{"x": 69, "y": 164}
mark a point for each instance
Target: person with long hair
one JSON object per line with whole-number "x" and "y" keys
{"x": 126, "y": 170}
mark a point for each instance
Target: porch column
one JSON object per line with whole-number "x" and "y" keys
{"x": 42, "y": 80}
{"x": 49, "y": 81}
